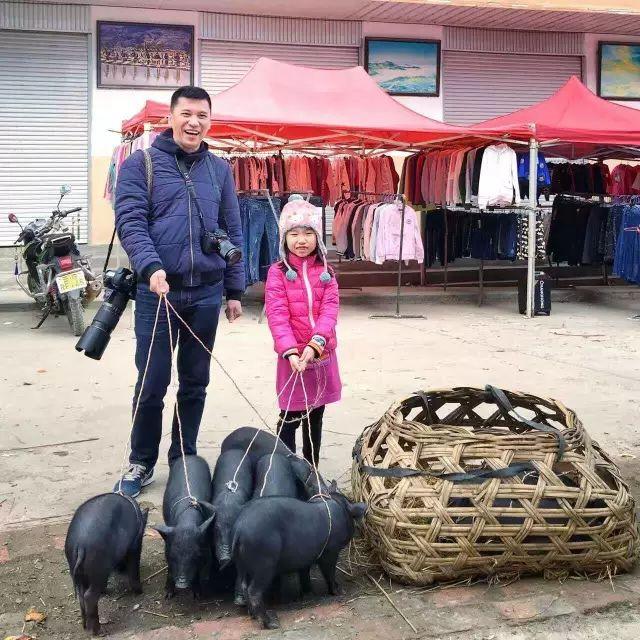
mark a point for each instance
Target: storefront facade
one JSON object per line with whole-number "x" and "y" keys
{"x": 58, "y": 127}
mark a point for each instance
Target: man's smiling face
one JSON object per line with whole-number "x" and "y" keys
{"x": 190, "y": 121}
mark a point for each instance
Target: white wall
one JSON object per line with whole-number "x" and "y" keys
{"x": 431, "y": 107}
{"x": 591, "y": 61}
{"x": 111, "y": 106}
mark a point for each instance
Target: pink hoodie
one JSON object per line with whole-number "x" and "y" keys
{"x": 296, "y": 311}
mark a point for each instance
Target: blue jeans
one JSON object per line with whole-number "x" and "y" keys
{"x": 260, "y": 233}
{"x": 200, "y": 308}
{"x": 627, "y": 258}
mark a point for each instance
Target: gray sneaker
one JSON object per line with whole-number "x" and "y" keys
{"x": 134, "y": 479}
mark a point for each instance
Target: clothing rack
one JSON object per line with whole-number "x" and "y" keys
{"x": 587, "y": 198}
{"x": 265, "y": 193}
{"x": 473, "y": 209}
{"x": 390, "y": 197}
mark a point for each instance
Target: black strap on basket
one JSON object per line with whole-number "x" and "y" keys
{"x": 476, "y": 475}
{"x": 501, "y": 398}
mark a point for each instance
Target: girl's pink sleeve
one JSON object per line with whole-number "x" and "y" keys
{"x": 277, "y": 310}
{"x": 328, "y": 316}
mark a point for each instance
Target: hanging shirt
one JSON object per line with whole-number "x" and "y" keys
{"x": 498, "y": 177}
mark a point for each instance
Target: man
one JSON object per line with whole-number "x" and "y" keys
{"x": 161, "y": 229}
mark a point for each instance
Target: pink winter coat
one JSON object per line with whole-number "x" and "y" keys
{"x": 296, "y": 311}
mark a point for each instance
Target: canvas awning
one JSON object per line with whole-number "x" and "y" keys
{"x": 279, "y": 105}
{"x": 573, "y": 123}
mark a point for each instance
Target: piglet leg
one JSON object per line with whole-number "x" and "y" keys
{"x": 327, "y": 563}
{"x": 305, "y": 581}
{"x": 169, "y": 586}
{"x": 133, "y": 571}
{"x": 240, "y": 598}
{"x": 92, "y": 621}
{"x": 257, "y": 608}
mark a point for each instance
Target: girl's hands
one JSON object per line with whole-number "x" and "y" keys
{"x": 294, "y": 361}
{"x": 299, "y": 363}
{"x": 307, "y": 356}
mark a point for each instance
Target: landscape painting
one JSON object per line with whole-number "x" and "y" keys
{"x": 144, "y": 56}
{"x": 619, "y": 70}
{"x": 404, "y": 67}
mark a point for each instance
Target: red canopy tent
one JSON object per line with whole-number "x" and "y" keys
{"x": 573, "y": 123}
{"x": 278, "y": 105}
{"x": 152, "y": 113}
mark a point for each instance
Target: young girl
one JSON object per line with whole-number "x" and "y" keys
{"x": 302, "y": 309}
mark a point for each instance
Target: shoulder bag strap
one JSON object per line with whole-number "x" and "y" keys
{"x": 148, "y": 167}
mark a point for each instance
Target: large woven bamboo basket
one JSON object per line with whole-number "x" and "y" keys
{"x": 461, "y": 486}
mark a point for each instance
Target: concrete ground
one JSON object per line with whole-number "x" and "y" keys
{"x": 65, "y": 422}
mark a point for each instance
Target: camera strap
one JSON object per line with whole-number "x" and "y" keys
{"x": 190, "y": 188}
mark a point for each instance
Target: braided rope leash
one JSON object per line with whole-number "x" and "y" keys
{"x": 232, "y": 485}
{"x": 226, "y": 373}
{"x": 295, "y": 375}
{"x": 144, "y": 377}
{"x": 315, "y": 468}
{"x": 189, "y": 495}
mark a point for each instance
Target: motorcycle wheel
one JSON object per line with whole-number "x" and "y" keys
{"x": 75, "y": 315}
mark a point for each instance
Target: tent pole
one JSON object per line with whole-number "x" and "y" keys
{"x": 398, "y": 316}
{"x": 533, "y": 200}
{"x": 446, "y": 249}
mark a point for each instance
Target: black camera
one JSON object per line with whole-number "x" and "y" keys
{"x": 218, "y": 242}
{"x": 119, "y": 288}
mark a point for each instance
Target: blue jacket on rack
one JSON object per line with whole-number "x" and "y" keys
{"x": 544, "y": 177}
{"x": 163, "y": 231}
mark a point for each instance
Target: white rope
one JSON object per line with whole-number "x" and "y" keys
{"x": 177, "y": 406}
{"x": 232, "y": 485}
{"x": 297, "y": 374}
{"x": 226, "y": 373}
{"x": 315, "y": 467}
{"x": 144, "y": 377}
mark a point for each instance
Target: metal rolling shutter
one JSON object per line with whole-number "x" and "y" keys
{"x": 478, "y": 85}
{"x": 222, "y": 64}
{"x": 44, "y": 126}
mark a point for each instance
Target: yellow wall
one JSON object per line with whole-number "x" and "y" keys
{"x": 101, "y": 220}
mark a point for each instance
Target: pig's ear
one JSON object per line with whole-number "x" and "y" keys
{"x": 145, "y": 516}
{"x": 333, "y": 487}
{"x": 357, "y": 510}
{"x": 202, "y": 529}
{"x": 208, "y": 508}
{"x": 163, "y": 530}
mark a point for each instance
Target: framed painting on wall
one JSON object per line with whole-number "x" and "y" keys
{"x": 132, "y": 55}
{"x": 619, "y": 70}
{"x": 404, "y": 67}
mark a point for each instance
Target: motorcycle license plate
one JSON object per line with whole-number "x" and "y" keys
{"x": 70, "y": 281}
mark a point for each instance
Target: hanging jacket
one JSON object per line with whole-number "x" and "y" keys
{"x": 163, "y": 232}
{"x": 498, "y": 177}
{"x": 299, "y": 309}
{"x": 543, "y": 177}
{"x": 388, "y": 235}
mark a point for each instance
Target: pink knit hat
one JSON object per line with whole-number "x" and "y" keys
{"x": 300, "y": 213}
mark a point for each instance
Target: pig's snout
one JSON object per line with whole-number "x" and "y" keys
{"x": 182, "y": 583}
{"x": 223, "y": 553}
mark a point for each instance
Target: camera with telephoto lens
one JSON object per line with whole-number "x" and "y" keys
{"x": 119, "y": 288}
{"x": 218, "y": 242}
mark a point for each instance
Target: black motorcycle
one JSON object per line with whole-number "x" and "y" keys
{"x": 57, "y": 276}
